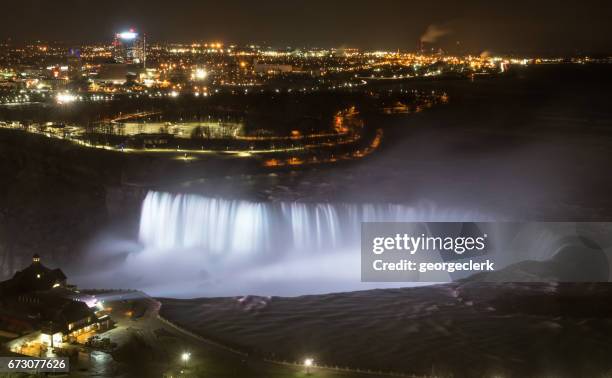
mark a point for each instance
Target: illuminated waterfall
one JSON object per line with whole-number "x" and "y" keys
{"x": 186, "y": 221}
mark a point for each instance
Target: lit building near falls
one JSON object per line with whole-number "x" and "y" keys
{"x": 38, "y": 306}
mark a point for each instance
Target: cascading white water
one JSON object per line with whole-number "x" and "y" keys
{"x": 186, "y": 221}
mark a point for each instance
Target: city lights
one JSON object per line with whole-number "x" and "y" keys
{"x": 65, "y": 98}
{"x": 200, "y": 74}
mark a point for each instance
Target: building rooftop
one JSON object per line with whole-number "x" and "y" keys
{"x": 37, "y": 297}
{"x": 34, "y": 277}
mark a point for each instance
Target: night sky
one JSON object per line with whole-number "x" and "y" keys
{"x": 566, "y": 27}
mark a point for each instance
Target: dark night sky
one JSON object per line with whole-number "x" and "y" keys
{"x": 498, "y": 26}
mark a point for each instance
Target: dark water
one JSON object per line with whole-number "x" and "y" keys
{"x": 469, "y": 330}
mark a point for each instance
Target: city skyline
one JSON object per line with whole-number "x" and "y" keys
{"x": 472, "y": 27}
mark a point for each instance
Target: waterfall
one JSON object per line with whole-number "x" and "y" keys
{"x": 193, "y": 246}
{"x": 220, "y": 226}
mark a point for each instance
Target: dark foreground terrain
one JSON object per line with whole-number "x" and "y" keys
{"x": 460, "y": 330}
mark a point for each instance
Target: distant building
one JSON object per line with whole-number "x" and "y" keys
{"x": 270, "y": 68}
{"x": 116, "y": 73}
{"x": 38, "y": 305}
{"x": 130, "y": 48}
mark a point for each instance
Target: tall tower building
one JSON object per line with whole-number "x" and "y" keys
{"x": 130, "y": 48}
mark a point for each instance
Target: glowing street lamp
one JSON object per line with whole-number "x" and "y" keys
{"x": 308, "y": 363}
{"x": 185, "y": 357}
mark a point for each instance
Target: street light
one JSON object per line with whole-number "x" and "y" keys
{"x": 185, "y": 357}
{"x": 308, "y": 363}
